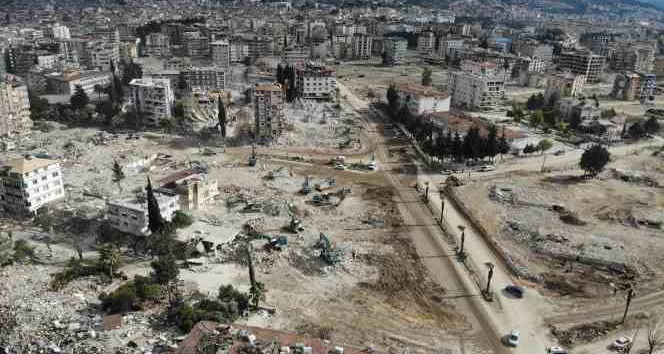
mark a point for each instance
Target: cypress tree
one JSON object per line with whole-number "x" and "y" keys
{"x": 155, "y": 221}
{"x": 222, "y": 118}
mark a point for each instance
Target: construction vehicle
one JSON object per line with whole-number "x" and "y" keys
{"x": 295, "y": 225}
{"x": 306, "y": 187}
{"x": 330, "y": 182}
{"x": 322, "y": 199}
{"x": 327, "y": 253}
{"x": 252, "y": 158}
{"x": 253, "y": 208}
{"x": 276, "y": 243}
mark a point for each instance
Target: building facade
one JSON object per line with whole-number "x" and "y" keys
{"x": 478, "y": 85}
{"x": 362, "y": 44}
{"x": 14, "y": 107}
{"x": 315, "y": 81}
{"x": 270, "y": 112}
{"x": 208, "y": 78}
{"x": 29, "y": 184}
{"x": 564, "y": 85}
{"x": 423, "y": 100}
{"x": 157, "y": 45}
{"x": 394, "y": 50}
{"x": 131, "y": 216}
{"x": 152, "y": 99}
{"x": 221, "y": 53}
{"x": 65, "y": 83}
{"x": 426, "y": 43}
{"x": 583, "y": 63}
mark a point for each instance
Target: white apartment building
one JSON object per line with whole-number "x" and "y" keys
{"x": 394, "y": 49}
{"x": 426, "y": 43}
{"x": 60, "y": 31}
{"x": 14, "y": 106}
{"x": 221, "y": 53}
{"x": 157, "y": 45}
{"x": 101, "y": 53}
{"x": 128, "y": 51}
{"x": 270, "y": 112}
{"x": 315, "y": 81}
{"x": 65, "y": 83}
{"x": 152, "y": 99}
{"x": 208, "y": 78}
{"x": 194, "y": 188}
{"x": 564, "y": 85}
{"x": 29, "y": 184}
{"x": 478, "y": 85}
{"x": 362, "y": 46}
{"x": 131, "y": 216}
{"x": 423, "y": 99}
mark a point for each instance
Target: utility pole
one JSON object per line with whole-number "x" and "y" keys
{"x": 630, "y": 294}
{"x": 426, "y": 192}
{"x": 463, "y": 239}
{"x": 442, "y": 209}
{"x": 488, "y": 282}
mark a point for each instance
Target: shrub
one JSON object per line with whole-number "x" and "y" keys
{"x": 121, "y": 300}
{"x": 181, "y": 219}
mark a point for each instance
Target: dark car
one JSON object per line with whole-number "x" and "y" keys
{"x": 515, "y": 290}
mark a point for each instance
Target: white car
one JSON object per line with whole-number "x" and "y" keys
{"x": 339, "y": 167}
{"x": 621, "y": 343}
{"x": 555, "y": 350}
{"x": 487, "y": 168}
{"x": 513, "y": 338}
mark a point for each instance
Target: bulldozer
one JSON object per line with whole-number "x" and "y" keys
{"x": 327, "y": 253}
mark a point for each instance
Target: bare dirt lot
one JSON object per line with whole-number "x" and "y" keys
{"x": 580, "y": 237}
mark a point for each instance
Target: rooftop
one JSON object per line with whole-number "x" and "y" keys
{"x": 422, "y": 91}
{"x": 462, "y": 123}
{"x": 273, "y": 87}
{"x": 23, "y": 165}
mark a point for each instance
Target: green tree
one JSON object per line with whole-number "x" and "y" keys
{"x": 118, "y": 174}
{"x": 227, "y": 294}
{"x": 23, "y": 252}
{"x": 221, "y": 117}
{"x": 492, "y": 144}
{"x": 503, "y": 145}
{"x": 517, "y": 113}
{"x": 79, "y": 99}
{"x": 38, "y": 107}
{"x": 165, "y": 269}
{"x": 651, "y": 126}
{"x": 109, "y": 259}
{"x": 155, "y": 220}
{"x": 426, "y": 77}
{"x": 536, "y": 119}
{"x": 257, "y": 292}
{"x": 535, "y": 102}
{"x": 181, "y": 219}
{"x": 131, "y": 71}
{"x": 99, "y": 89}
{"x": 594, "y": 159}
{"x": 544, "y": 145}
{"x": 636, "y": 131}
{"x": 393, "y": 98}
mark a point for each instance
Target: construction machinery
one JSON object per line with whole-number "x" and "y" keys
{"x": 306, "y": 187}
{"x": 295, "y": 225}
{"x": 327, "y": 253}
{"x": 253, "y": 208}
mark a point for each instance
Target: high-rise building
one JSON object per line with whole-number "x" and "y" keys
{"x": 477, "y": 85}
{"x": 29, "y": 184}
{"x": 221, "y": 53}
{"x": 631, "y": 86}
{"x": 152, "y": 99}
{"x": 426, "y": 43}
{"x": 196, "y": 45}
{"x": 60, "y": 32}
{"x": 14, "y": 106}
{"x": 208, "y": 78}
{"x": 269, "y": 111}
{"x": 362, "y": 44}
{"x": 583, "y": 63}
{"x": 394, "y": 50}
{"x": 564, "y": 85}
{"x": 100, "y": 54}
{"x": 157, "y": 45}
{"x": 640, "y": 58}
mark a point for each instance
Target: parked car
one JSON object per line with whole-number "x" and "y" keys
{"x": 487, "y": 168}
{"x": 446, "y": 172}
{"x": 515, "y": 290}
{"x": 513, "y": 338}
{"x": 621, "y": 343}
{"x": 555, "y": 350}
{"x": 559, "y": 152}
{"x": 339, "y": 167}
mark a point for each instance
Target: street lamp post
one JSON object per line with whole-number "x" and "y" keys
{"x": 463, "y": 240}
{"x": 487, "y": 291}
{"x": 630, "y": 294}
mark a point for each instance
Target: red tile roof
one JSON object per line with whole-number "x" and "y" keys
{"x": 461, "y": 123}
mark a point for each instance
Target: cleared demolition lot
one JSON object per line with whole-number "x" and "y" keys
{"x": 361, "y": 283}
{"x": 578, "y": 237}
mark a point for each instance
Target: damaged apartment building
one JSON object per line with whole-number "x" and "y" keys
{"x": 14, "y": 107}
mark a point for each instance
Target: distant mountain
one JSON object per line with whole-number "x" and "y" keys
{"x": 658, "y": 3}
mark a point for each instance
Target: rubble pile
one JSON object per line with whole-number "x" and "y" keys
{"x": 584, "y": 333}
{"x": 633, "y": 177}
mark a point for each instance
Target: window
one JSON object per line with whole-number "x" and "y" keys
{"x": 56, "y": 174}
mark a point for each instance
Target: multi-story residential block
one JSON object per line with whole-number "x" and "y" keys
{"x": 100, "y": 54}
{"x": 152, "y": 99}
{"x": 157, "y": 45}
{"x": 65, "y": 83}
{"x": 193, "y": 187}
{"x": 362, "y": 44}
{"x": 297, "y": 56}
{"x": 174, "y": 32}
{"x": 14, "y": 106}
{"x": 422, "y": 99}
{"x": 631, "y": 86}
{"x": 448, "y": 44}
{"x": 478, "y": 85}
{"x": 106, "y": 34}
{"x": 239, "y": 51}
{"x": 270, "y": 112}
{"x": 207, "y": 78}
{"x": 48, "y": 61}
{"x": 583, "y": 63}
{"x": 128, "y": 51}
{"x": 60, "y": 31}
{"x": 221, "y": 53}
{"x": 127, "y": 32}
{"x": 131, "y": 216}
{"x": 426, "y": 43}
{"x": 341, "y": 47}
{"x": 315, "y": 81}
{"x": 564, "y": 85}
{"x": 30, "y": 184}
{"x": 260, "y": 47}
{"x": 640, "y": 58}
{"x": 394, "y": 50}
{"x": 196, "y": 45}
